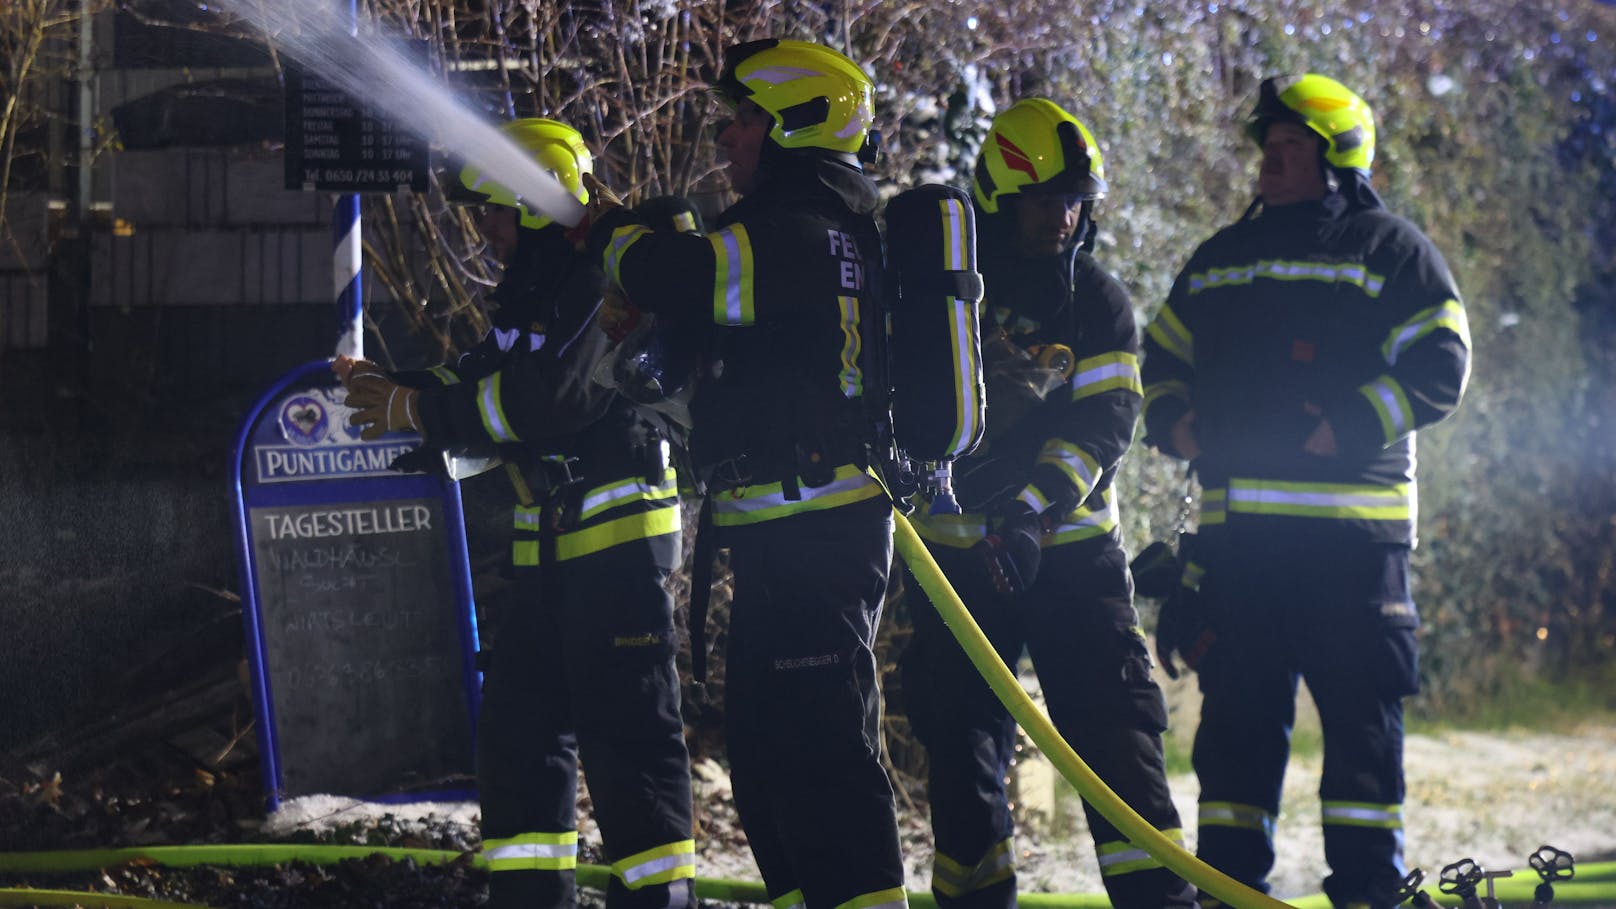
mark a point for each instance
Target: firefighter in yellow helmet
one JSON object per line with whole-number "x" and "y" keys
{"x": 787, "y": 283}
{"x": 581, "y": 654}
{"x": 1037, "y": 554}
{"x": 1298, "y": 352}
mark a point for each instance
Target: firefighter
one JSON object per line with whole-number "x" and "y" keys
{"x": 1037, "y": 554}
{"x": 582, "y": 664}
{"x": 787, "y": 282}
{"x": 1297, "y": 353}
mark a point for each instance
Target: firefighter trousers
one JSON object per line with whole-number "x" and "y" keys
{"x": 802, "y": 705}
{"x": 1338, "y": 615}
{"x": 1079, "y": 626}
{"x": 583, "y": 667}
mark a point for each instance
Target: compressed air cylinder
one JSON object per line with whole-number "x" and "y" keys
{"x": 934, "y": 303}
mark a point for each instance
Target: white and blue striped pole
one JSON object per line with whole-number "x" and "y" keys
{"x": 347, "y": 274}
{"x": 347, "y": 263}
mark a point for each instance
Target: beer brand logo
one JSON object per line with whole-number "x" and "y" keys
{"x": 304, "y": 421}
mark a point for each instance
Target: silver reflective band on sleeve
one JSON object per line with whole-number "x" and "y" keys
{"x": 1391, "y": 405}
{"x": 622, "y": 239}
{"x": 1349, "y": 501}
{"x": 1078, "y": 465}
{"x": 1449, "y": 315}
{"x": 1167, "y": 331}
{"x": 492, "y": 409}
{"x": 1033, "y": 498}
{"x": 1118, "y": 369}
{"x": 506, "y": 338}
{"x": 1085, "y": 523}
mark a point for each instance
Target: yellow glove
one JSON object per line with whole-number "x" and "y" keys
{"x": 376, "y": 399}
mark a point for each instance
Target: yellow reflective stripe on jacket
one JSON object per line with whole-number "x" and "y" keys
{"x": 1363, "y": 814}
{"x": 533, "y": 852}
{"x": 1119, "y": 857}
{"x": 1282, "y": 270}
{"x": 1156, "y": 391}
{"x": 955, "y": 879}
{"x": 891, "y": 898}
{"x": 1386, "y": 395}
{"x": 1033, "y": 498}
{"x": 622, "y": 239}
{"x": 955, "y": 531}
{"x": 1234, "y": 814}
{"x": 1118, "y": 369}
{"x": 732, "y": 278}
{"x": 767, "y": 501}
{"x": 662, "y": 516}
{"x": 1078, "y": 465}
{"x": 1214, "y": 507}
{"x": 492, "y": 410}
{"x": 851, "y": 377}
{"x": 1344, "y": 501}
{"x": 1167, "y": 331}
{"x": 1194, "y": 573}
{"x": 670, "y": 862}
{"x": 611, "y": 495}
{"x": 577, "y": 543}
{"x": 1084, "y": 523}
{"x": 792, "y": 900}
{"x": 445, "y": 375}
{"x": 1449, "y": 314}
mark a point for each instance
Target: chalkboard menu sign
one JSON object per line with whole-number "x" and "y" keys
{"x": 335, "y": 144}
{"x": 358, "y": 605}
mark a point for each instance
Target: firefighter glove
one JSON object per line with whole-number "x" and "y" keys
{"x": 618, "y": 317}
{"x": 1013, "y": 550}
{"x": 379, "y": 404}
{"x": 601, "y": 201}
{"x": 1183, "y": 629}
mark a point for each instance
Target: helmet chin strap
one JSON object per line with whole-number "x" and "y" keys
{"x": 1088, "y": 229}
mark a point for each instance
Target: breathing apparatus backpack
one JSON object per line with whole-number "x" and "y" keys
{"x": 933, "y": 305}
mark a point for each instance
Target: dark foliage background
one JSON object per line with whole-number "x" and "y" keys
{"x": 1497, "y": 135}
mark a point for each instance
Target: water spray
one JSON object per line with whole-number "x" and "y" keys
{"x": 372, "y": 70}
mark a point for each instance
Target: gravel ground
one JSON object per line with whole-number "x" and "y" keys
{"x": 1492, "y": 797}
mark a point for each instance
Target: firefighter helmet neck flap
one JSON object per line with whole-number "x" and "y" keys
{"x": 821, "y": 102}
{"x": 1037, "y": 148}
{"x": 557, "y": 147}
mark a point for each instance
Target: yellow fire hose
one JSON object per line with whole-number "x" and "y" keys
{"x": 1042, "y": 732}
{"x": 1598, "y": 884}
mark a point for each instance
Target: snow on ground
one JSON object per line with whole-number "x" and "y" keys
{"x": 1494, "y": 797}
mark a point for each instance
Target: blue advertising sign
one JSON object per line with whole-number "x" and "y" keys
{"x": 361, "y": 632}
